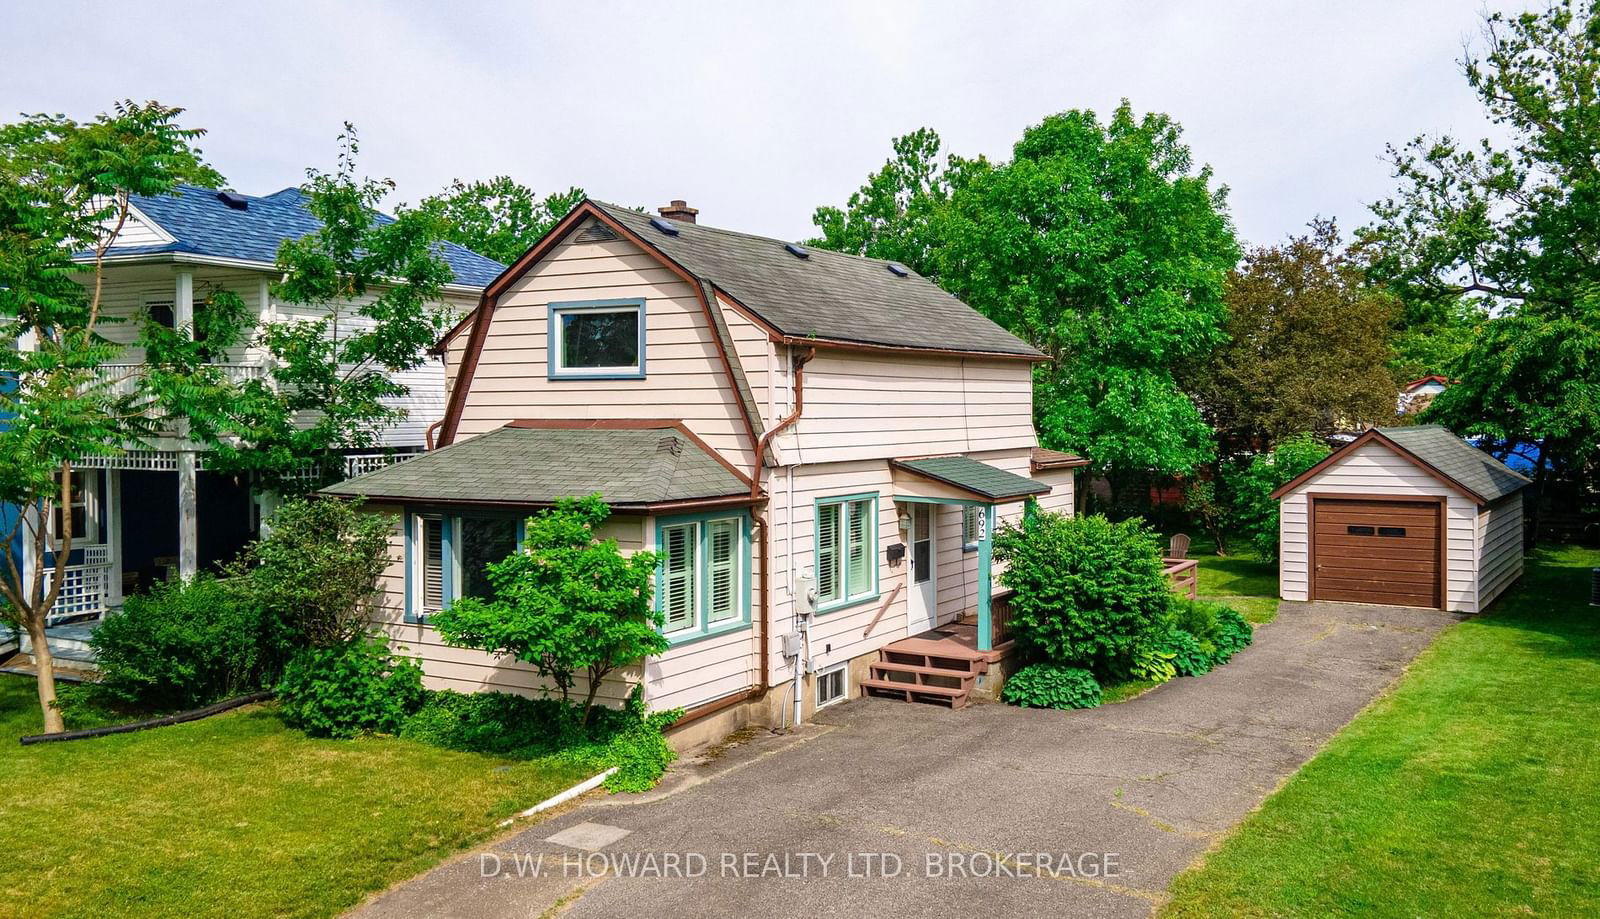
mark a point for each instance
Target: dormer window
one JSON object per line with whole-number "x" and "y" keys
{"x": 597, "y": 340}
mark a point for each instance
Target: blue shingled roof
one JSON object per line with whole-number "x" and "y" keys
{"x": 203, "y": 225}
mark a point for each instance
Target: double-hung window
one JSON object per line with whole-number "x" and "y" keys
{"x": 449, "y": 558}
{"x": 847, "y": 550}
{"x": 703, "y": 585}
{"x": 596, "y": 339}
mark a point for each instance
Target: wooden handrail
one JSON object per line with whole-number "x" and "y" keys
{"x": 889, "y": 601}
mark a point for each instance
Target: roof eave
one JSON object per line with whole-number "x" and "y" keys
{"x": 1371, "y": 435}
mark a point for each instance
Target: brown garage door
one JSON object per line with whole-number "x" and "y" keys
{"x": 1375, "y": 551}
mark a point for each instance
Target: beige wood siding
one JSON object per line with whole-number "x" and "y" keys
{"x": 1376, "y": 470}
{"x": 684, "y": 376}
{"x": 466, "y": 670}
{"x": 874, "y": 406}
{"x": 759, "y": 358}
{"x": 1500, "y": 533}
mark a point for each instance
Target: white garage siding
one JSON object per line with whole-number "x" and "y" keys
{"x": 1499, "y": 548}
{"x": 1374, "y": 469}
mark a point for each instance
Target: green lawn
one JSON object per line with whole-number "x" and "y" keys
{"x": 1472, "y": 789}
{"x": 1238, "y": 579}
{"x": 236, "y": 815}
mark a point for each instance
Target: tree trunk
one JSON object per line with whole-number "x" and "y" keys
{"x": 594, "y": 688}
{"x": 46, "y": 679}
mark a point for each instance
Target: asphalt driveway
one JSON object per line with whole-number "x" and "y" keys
{"x": 883, "y": 808}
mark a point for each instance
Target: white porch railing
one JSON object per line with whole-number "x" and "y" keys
{"x": 125, "y": 378}
{"x": 85, "y": 588}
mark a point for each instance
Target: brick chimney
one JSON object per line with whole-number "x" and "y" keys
{"x": 679, "y": 210}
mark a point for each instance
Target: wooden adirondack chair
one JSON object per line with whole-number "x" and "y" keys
{"x": 1179, "y": 546}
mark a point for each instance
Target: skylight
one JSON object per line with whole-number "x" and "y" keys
{"x": 797, "y": 250}
{"x": 234, "y": 200}
{"x": 664, "y": 226}
{"x": 897, "y": 269}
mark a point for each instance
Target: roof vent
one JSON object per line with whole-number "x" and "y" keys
{"x": 679, "y": 210}
{"x": 596, "y": 232}
{"x": 797, "y": 250}
{"x": 669, "y": 444}
{"x": 664, "y": 226}
{"x": 234, "y": 200}
{"x": 897, "y": 269}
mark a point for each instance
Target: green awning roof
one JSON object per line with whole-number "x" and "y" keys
{"x": 969, "y": 475}
{"x": 630, "y": 464}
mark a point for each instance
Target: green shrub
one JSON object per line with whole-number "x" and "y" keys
{"x": 1197, "y": 617}
{"x": 1190, "y": 656}
{"x": 1234, "y": 634}
{"x": 1255, "y": 510}
{"x": 519, "y": 726}
{"x": 313, "y": 577}
{"x": 1051, "y": 686}
{"x": 183, "y": 645}
{"x": 1085, "y": 589}
{"x": 350, "y": 688}
{"x": 1153, "y": 661}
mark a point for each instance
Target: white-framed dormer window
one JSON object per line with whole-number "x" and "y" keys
{"x": 597, "y": 340}
{"x": 833, "y": 685}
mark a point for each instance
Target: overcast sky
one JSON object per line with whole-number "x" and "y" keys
{"x": 758, "y": 112}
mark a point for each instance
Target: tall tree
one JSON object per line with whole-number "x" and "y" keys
{"x": 1516, "y": 226}
{"x": 64, "y": 191}
{"x": 500, "y": 218}
{"x": 1308, "y": 347}
{"x": 372, "y": 290}
{"x": 1104, "y": 246}
{"x": 893, "y": 216}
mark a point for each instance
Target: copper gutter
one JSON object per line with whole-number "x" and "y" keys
{"x": 799, "y": 406}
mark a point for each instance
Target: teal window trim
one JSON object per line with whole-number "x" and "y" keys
{"x": 971, "y": 546}
{"x": 703, "y": 629}
{"x": 450, "y": 557}
{"x": 553, "y": 368}
{"x": 846, "y": 598}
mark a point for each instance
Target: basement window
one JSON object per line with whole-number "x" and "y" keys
{"x": 597, "y": 340}
{"x": 831, "y": 685}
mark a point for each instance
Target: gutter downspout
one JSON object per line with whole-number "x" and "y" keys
{"x": 763, "y": 683}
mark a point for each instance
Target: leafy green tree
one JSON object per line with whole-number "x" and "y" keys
{"x": 500, "y": 218}
{"x": 894, "y": 215}
{"x": 1100, "y": 243}
{"x": 569, "y": 603}
{"x": 1516, "y": 227}
{"x": 1255, "y": 511}
{"x": 374, "y": 286}
{"x": 1308, "y": 347}
{"x": 64, "y": 190}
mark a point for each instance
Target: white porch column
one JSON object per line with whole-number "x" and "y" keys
{"x": 112, "y": 527}
{"x": 188, "y": 550}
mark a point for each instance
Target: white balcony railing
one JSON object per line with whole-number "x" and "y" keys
{"x": 125, "y": 378}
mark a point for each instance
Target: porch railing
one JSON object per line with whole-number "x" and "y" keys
{"x": 125, "y": 378}
{"x": 999, "y": 618}
{"x": 1185, "y": 575}
{"x": 84, "y": 587}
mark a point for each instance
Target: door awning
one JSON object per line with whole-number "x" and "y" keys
{"x": 961, "y": 478}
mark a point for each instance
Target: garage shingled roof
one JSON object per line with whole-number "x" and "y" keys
{"x": 1457, "y": 460}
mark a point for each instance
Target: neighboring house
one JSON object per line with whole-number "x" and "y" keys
{"x": 1408, "y": 516}
{"x": 1415, "y": 395}
{"x": 156, "y": 511}
{"x": 820, "y": 445}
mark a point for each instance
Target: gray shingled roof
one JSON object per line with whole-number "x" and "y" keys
{"x": 1457, "y": 460}
{"x": 968, "y": 474}
{"x": 537, "y": 465}
{"x": 827, "y": 295}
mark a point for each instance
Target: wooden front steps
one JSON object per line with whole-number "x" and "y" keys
{"x": 926, "y": 669}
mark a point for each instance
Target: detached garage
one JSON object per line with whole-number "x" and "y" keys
{"x": 1411, "y": 516}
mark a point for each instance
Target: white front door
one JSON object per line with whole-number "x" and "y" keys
{"x": 923, "y": 602}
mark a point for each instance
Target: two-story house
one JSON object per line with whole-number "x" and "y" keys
{"x": 819, "y": 445}
{"x": 155, "y": 511}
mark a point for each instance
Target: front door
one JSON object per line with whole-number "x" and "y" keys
{"x": 923, "y": 602}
